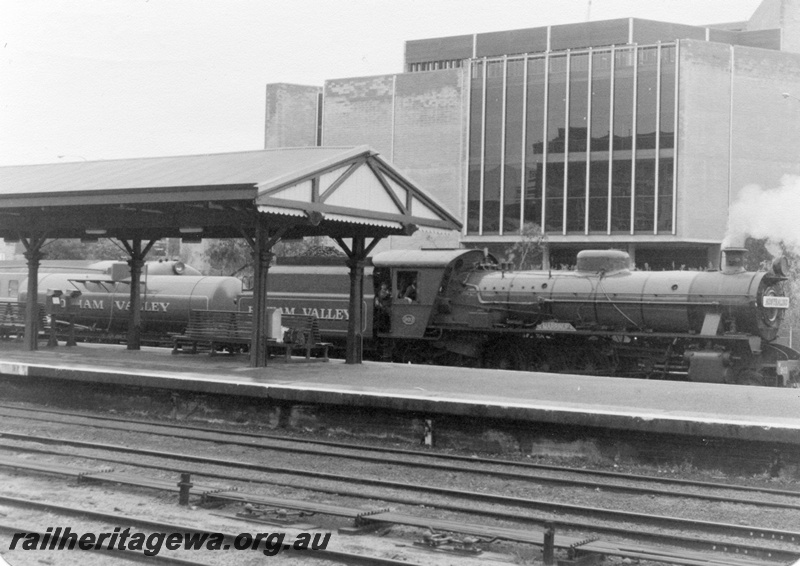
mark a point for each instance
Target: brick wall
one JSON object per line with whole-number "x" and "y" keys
{"x": 430, "y": 127}
{"x": 291, "y": 116}
{"x": 358, "y": 111}
{"x": 416, "y": 121}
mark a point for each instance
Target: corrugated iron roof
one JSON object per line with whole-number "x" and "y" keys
{"x": 241, "y": 168}
{"x": 331, "y": 186}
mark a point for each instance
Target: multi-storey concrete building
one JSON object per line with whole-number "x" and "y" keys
{"x": 626, "y": 133}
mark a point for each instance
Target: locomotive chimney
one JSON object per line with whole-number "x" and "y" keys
{"x": 734, "y": 260}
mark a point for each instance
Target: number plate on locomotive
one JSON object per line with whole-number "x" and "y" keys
{"x": 555, "y": 326}
{"x": 771, "y": 302}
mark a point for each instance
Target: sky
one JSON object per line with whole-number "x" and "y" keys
{"x": 110, "y": 79}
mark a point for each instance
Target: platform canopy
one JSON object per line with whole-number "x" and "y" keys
{"x": 335, "y": 191}
{"x": 261, "y": 196}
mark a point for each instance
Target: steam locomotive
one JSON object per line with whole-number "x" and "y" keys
{"x": 603, "y": 318}
{"x": 463, "y": 307}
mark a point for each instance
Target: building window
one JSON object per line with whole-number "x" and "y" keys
{"x": 600, "y": 142}
{"x": 622, "y": 140}
{"x": 576, "y": 196}
{"x": 645, "y": 198}
{"x": 556, "y": 144}
{"x": 475, "y": 146}
{"x": 512, "y": 167}
{"x": 666, "y": 129}
{"x": 534, "y": 139}
{"x": 577, "y": 137}
{"x": 434, "y": 65}
{"x": 557, "y": 104}
{"x": 647, "y": 98}
{"x": 621, "y": 195}
{"x": 623, "y": 99}
{"x": 601, "y": 100}
{"x": 598, "y": 195}
{"x": 598, "y": 128}
{"x": 665, "y": 191}
{"x": 493, "y": 145}
{"x": 667, "y": 115}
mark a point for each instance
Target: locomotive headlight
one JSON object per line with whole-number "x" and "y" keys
{"x": 780, "y": 266}
{"x": 179, "y": 267}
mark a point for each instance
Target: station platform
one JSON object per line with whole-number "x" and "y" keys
{"x": 694, "y": 409}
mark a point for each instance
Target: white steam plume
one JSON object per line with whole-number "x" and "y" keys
{"x": 771, "y": 214}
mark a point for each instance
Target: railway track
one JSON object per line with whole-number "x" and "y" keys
{"x": 156, "y": 526}
{"x": 505, "y": 469}
{"x": 742, "y": 556}
{"x": 505, "y": 503}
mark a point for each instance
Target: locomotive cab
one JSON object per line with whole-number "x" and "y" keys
{"x": 418, "y": 280}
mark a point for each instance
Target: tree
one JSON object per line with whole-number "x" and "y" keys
{"x": 312, "y": 246}
{"x": 75, "y": 249}
{"x": 231, "y": 256}
{"x": 758, "y": 256}
{"x": 528, "y": 251}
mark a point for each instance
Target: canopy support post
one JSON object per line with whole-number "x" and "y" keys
{"x": 33, "y": 254}
{"x": 262, "y": 258}
{"x": 136, "y": 264}
{"x": 356, "y": 260}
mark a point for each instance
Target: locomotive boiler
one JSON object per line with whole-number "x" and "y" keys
{"x": 602, "y": 318}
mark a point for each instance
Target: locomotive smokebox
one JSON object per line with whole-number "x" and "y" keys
{"x": 734, "y": 260}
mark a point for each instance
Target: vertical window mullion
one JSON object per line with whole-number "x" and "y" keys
{"x": 611, "y": 138}
{"x": 658, "y": 138}
{"x": 675, "y": 138}
{"x": 483, "y": 144}
{"x": 470, "y": 125}
{"x": 546, "y": 142}
{"x": 588, "y": 141}
{"x": 503, "y": 145}
{"x": 635, "y": 132}
{"x": 522, "y": 187}
{"x": 566, "y": 145}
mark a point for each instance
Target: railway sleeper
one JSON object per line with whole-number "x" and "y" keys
{"x": 382, "y": 518}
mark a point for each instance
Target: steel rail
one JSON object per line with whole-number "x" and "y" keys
{"x": 530, "y": 536}
{"x": 663, "y": 521}
{"x": 460, "y": 468}
{"x": 116, "y": 519}
{"x": 427, "y": 454}
{"x": 573, "y": 525}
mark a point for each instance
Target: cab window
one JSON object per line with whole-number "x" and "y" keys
{"x": 407, "y": 286}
